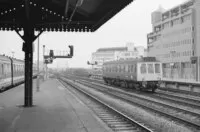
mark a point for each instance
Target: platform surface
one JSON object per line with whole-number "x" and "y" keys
{"x": 55, "y": 110}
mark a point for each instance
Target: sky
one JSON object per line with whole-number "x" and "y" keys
{"x": 132, "y": 24}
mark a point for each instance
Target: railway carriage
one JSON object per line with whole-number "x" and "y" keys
{"x": 5, "y": 71}
{"x": 18, "y": 70}
{"x": 143, "y": 74}
{"x": 12, "y": 71}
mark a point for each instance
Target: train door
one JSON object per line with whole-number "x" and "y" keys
{"x": 141, "y": 71}
{"x": 158, "y": 71}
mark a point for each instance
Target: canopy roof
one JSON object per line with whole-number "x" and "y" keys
{"x": 59, "y": 15}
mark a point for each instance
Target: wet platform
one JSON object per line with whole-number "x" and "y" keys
{"x": 55, "y": 110}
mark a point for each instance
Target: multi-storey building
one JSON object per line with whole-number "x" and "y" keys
{"x": 115, "y": 53}
{"x": 175, "y": 41}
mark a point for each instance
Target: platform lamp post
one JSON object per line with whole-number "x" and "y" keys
{"x": 44, "y": 61}
{"x": 38, "y": 70}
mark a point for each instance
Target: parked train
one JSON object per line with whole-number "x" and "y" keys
{"x": 143, "y": 73}
{"x": 11, "y": 71}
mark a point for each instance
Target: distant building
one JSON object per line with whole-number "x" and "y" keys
{"x": 115, "y": 53}
{"x": 175, "y": 41}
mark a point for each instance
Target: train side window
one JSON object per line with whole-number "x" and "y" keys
{"x": 150, "y": 68}
{"x": 129, "y": 68}
{"x": 7, "y": 68}
{"x": 123, "y": 70}
{"x": 143, "y": 69}
{"x": 1, "y": 69}
{"x": 126, "y": 69}
{"x": 118, "y": 68}
{"x": 157, "y": 68}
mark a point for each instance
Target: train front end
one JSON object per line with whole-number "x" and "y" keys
{"x": 149, "y": 75}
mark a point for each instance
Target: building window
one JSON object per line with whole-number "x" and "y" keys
{"x": 166, "y": 25}
{"x": 175, "y": 21}
{"x": 186, "y": 18}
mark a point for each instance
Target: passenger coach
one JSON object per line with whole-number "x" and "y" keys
{"x": 143, "y": 74}
{"x": 12, "y": 71}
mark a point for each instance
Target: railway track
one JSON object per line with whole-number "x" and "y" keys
{"x": 140, "y": 102}
{"x": 161, "y": 89}
{"x": 185, "y": 100}
{"x": 180, "y": 91}
{"x": 115, "y": 119}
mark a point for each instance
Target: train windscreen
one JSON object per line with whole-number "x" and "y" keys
{"x": 150, "y": 68}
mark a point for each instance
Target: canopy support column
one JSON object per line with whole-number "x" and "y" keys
{"x": 28, "y": 49}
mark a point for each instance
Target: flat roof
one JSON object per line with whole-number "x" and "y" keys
{"x": 112, "y": 49}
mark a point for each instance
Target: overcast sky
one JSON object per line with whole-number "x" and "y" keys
{"x": 130, "y": 25}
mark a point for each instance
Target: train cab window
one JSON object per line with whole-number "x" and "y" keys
{"x": 150, "y": 68}
{"x": 157, "y": 68}
{"x": 143, "y": 69}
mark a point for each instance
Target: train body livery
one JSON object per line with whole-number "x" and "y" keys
{"x": 11, "y": 71}
{"x": 143, "y": 73}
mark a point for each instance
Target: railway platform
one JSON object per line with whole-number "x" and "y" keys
{"x": 55, "y": 110}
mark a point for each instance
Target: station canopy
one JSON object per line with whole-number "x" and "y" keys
{"x": 59, "y": 15}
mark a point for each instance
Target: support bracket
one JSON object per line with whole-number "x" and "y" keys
{"x": 17, "y": 31}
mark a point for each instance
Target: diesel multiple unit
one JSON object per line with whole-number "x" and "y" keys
{"x": 143, "y": 73}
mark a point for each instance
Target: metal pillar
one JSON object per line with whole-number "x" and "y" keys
{"x": 28, "y": 67}
{"x": 28, "y": 49}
